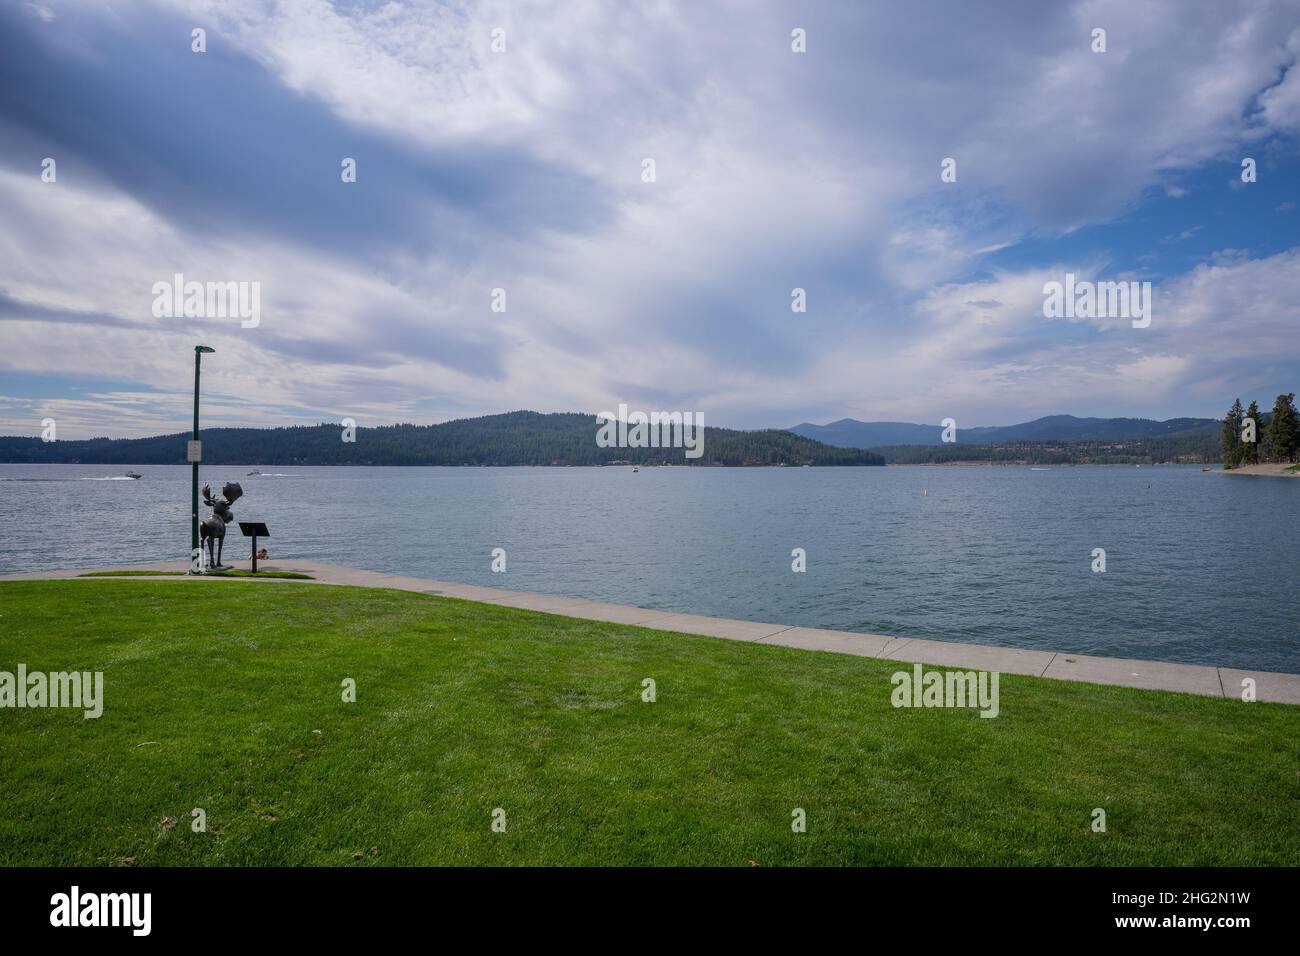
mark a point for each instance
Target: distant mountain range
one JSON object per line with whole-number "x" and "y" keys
{"x": 514, "y": 438}
{"x": 569, "y": 438}
{"x": 851, "y": 433}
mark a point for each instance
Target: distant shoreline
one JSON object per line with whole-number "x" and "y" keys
{"x": 986, "y": 463}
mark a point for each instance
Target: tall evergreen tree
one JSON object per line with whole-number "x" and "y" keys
{"x": 1232, "y": 450}
{"x": 1284, "y": 429}
{"x": 1250, "y": 449}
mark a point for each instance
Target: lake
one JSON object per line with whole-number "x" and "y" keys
{"x": 1200, "y": 568}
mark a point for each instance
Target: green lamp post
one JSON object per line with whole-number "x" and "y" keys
{"x": 194, "y": 454}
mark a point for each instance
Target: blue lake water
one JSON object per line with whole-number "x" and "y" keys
{"x": 1201, "y": 568}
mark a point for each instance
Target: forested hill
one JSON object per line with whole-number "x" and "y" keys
{"x": 515, "y": 438}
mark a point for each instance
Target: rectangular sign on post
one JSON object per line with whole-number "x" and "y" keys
{"x": 252, "y": 529}
{"x": 193, "y": 452}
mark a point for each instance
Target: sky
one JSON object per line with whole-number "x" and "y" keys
{"x": 502, "y": 146}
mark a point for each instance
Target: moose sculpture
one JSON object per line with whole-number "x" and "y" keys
{"x": 214, "y": 529}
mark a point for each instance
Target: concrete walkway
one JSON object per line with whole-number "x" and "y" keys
{"x": 1148, "y": 675}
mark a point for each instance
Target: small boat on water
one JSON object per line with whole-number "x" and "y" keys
{"x": 132, "y": 474}
{"x": 635, "y": 470}
{"x": 253, "y": 472}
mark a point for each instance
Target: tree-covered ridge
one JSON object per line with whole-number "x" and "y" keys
{"x": 515, "y": 438}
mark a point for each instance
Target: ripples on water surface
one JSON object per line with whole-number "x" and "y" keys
{"x": 1201, "y": 568}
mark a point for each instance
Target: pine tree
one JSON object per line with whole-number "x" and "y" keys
{"x": 1232, "y": 451}
{"x": 1251, "y": 448}
{"x": 1283, "y": 429}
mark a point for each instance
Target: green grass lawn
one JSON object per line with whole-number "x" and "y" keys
{"x": 228, "y": 698}
{"x": 232, "y": 573}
